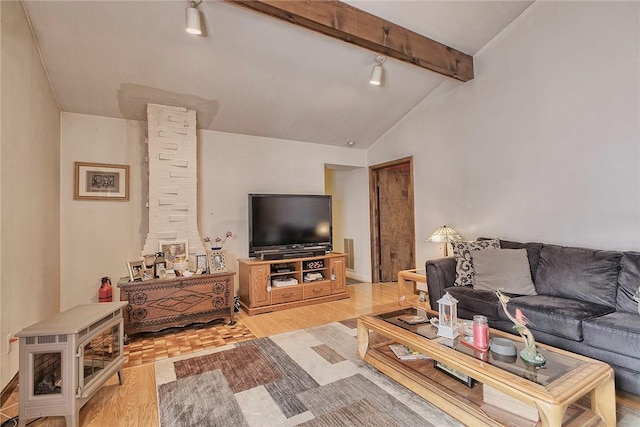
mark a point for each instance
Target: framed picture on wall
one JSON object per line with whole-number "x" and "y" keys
{"x": 101, "y": 181}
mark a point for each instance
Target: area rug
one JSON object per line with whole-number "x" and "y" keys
{"x": 310, "y": 377}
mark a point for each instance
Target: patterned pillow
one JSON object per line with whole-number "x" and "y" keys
{"x": 462, "y": 254}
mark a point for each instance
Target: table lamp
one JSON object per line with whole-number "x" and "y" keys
{"x": 445, "y": 235}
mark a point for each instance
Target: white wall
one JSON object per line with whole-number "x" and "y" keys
{"x": 29, "y": 214}
{"x": 232, "y": 166}
{"x": 99, "y": 237}
{"x": 544, "y": 144}
{"x": 350, "y": 191}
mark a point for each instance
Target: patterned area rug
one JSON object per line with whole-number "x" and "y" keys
{"x": 310, "y": 377}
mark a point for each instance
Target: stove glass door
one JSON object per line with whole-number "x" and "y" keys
{"x": 99, "y": 352}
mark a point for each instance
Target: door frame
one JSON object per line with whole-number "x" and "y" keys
{"x": 374, "y": 213}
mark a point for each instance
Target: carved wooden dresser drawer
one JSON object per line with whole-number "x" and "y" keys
{"x": 159, "y": 304}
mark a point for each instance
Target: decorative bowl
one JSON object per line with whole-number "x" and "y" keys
{"x": 503, "y": 347}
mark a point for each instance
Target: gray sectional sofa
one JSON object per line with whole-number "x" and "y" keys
{"x": 584, "y": 303}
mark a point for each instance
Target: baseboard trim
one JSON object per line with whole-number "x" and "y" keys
{"x": 8, "y": 389}
{"x": 359, "y": 277}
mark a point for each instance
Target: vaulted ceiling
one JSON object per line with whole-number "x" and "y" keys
{"x": 248, "y": 73}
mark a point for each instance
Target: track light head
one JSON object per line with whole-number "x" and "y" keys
{"x": 376, "y": 73}
{"x": 193, "y": 19}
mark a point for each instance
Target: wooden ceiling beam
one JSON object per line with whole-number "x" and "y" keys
{"x": 345, "y": 22}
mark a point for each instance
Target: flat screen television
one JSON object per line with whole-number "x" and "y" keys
{"x": 288, "y": 223}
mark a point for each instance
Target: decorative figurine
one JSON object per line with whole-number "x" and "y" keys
{"x": 448, "y": 319}
{"x": 530, "y": 353}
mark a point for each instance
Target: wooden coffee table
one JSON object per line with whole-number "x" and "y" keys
{"x": 565, "y": 378}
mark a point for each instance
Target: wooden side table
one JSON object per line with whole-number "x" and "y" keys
{"x": 416, "y": 276}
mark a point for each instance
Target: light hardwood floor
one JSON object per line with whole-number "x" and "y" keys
{"x": 134, "y": 404}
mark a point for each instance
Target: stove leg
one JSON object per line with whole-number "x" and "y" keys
{"x": 73, "y": 420}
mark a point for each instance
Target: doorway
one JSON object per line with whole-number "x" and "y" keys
{"x": 392, "y": 219}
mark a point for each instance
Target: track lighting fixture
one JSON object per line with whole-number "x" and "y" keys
{"x": 376, "y": 73}
{"x": 193, "y": 19}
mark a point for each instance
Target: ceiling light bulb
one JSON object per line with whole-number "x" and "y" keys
{"x": 376, "y": 75}
{"x": 193, "y": 20}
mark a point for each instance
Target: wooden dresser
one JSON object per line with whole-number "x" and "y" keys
{"x": 159, "y": 304}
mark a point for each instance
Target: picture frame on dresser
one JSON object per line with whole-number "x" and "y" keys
{"x": 135, "y": 269}
{"x": 201, "y": 263}
{"x": 101, "y": 181}
{"x": 147, "y": 274}
{"x": 172, "y": 249}
{"x": 217, "y": 261}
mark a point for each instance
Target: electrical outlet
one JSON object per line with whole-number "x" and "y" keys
{"x": 9, "y": 343}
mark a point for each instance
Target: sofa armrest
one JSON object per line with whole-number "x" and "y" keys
{"x": 441, "y": 273}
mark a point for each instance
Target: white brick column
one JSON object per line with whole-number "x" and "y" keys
{"x": 173, "y": 178}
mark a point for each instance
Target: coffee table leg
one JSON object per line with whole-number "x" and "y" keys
{"x": 363, "y": 339}
{"x": 603, "y": 401}
{"x": 551, "y": 415}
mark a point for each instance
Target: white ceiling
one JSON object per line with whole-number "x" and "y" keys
{"x": 249, "y": 73}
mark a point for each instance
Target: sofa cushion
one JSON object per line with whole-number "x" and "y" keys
{"x": 533, "y": 252}
{"x": 462, "y": 254}
{"x": 580, "y": 274}
{"x": 628, "y": 282}
{"x": 505, "y": 269}
{"x": 554, "y": 315}
{"x": 618, "y": 332}
{"x": 475, "y": 301}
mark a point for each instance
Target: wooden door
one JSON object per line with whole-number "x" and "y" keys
{"x": 393, "y": 227}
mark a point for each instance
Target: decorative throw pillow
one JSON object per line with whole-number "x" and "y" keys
{"x": 505, "y": 269}
{"x": 462, "y": 254}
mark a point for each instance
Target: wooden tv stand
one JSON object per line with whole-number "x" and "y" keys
{"x": 260, "y": 291}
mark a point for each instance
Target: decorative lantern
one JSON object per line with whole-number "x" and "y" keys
{"x": 448, "y": 319}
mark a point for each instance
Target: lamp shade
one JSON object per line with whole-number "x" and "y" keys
{"x": 376, "y": 75}
{"x": 193, "y": 21}
{"x": 445, "y": 234}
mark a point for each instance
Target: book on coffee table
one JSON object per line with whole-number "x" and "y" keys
{"x": 405, "y": 353}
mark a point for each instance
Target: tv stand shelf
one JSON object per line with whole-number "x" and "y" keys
{"x": 325, "y": 281}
